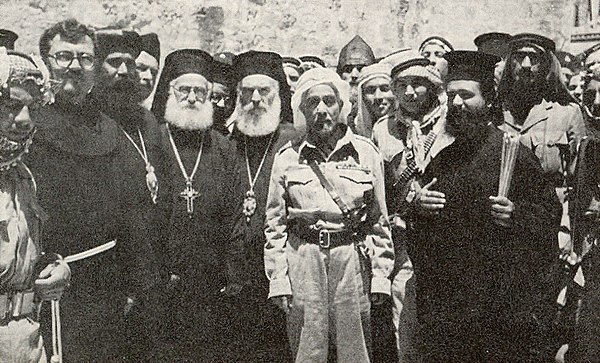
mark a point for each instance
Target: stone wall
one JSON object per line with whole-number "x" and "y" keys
{"x": 295, "y": 27}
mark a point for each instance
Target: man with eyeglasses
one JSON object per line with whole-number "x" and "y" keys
{"x": 198, "y": 210}
{"x": 540, "y": 110}
{"x": 94, "y": 183}
{"x": 222, "y": 95}
{"x": 147, "y": 63}
{"x": 262, "y": 124}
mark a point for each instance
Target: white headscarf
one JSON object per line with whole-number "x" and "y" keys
{"x": 363, "y": 122}
{"x": 314, "y": 77}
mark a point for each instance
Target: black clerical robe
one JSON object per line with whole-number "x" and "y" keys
{"x": 479, "y": 284}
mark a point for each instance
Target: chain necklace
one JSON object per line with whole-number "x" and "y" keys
{"x": 249, "y": 205}
{"x": 151, "y": 179}
{"x": 189, "y": 193}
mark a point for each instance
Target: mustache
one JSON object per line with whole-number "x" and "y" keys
{"x": 124, "y": 85}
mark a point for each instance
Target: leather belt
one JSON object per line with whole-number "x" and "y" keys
{"x": 18, "y": 304}
{"x": 325, "y": 239}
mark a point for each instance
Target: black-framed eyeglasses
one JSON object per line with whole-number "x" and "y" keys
{"x": 116, "y": 62}
{"x": 65, "y": 58}
{"x": 216, "y": 98}
{"x": 199, "y": 92}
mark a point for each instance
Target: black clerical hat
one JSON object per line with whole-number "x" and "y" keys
{"x": 177, "y": 63}
{"x": 151, "y": 45}
{"x": 8, "y": 39}
{"x": 268, "y": 64}
{"x": 493, "y": 43}
{"x": 224, "y": 57}
{"x": 117, "y": 41}
{"x": 470, "y": 65}
{"x": 530, "y": 38}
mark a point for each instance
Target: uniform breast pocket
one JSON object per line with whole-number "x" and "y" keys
{"x": 354, "y": 186}
{"x": 301, "y": 187}
{"x": 548, "y": 147}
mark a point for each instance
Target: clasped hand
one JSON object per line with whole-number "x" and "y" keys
{"x": 52, "y": 281}
{"x": 429, "y": 201}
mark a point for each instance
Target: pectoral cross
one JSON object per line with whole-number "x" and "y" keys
{"x": 189, "y": 194}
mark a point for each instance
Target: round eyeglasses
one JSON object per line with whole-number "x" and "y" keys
{"x": 64, "y": 59}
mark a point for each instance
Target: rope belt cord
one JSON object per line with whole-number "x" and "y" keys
{"x": 55, "y": 304}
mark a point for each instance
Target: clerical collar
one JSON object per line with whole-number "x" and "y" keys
{"x": 191, "y": 138}
{"x": 346, "y": 146}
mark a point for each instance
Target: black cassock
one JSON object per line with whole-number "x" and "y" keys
{"x": 198, "y": 246}
{"x": 480, "y": 286}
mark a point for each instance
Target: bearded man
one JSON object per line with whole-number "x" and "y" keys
{"x": 314, "y": 252}
{"x": 199, "y": 206}
{"x": 375, "y": 98}
{"x": 480, "y": 258}
{"x": 222, "y": 96}
{"x": 262, "y": 120}
{"x": 147, "y": 63}
{"x": 94, "y": 181}
{"x": 539, "y": 108}
{"x": 29, "y": 277}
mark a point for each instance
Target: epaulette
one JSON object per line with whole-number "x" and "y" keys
{"x": 382, "y": 119}
{"x": 368, "y": 141}
{"x": 285, "y": 146}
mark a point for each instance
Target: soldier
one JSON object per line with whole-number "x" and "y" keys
{"x": 375, "y": 98}
{"x": 28, "y": 276}
{"x": 325, "y": 210}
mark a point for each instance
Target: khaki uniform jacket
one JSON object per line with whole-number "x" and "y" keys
{"x": 355, "y": 167}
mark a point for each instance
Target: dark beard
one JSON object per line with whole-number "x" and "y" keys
{"x": 428, "y": 105}
{"x": 120, "y": 101}
{"x": 525, "y": 95}
{"x": 465, "y": 125}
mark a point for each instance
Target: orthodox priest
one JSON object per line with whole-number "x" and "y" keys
{"x": 262, "y": 126}
{"x": 481, "y": 259}
{"x": 199, "y": 204}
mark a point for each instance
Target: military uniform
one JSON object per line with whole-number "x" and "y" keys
{"x": 20, "y": 217}
{"x": 314, "y": 254}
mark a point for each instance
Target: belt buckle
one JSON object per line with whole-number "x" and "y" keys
{"x": 5, "y": 307}
{"x": 17, "y": 304}
{"x": 324, "y": 239}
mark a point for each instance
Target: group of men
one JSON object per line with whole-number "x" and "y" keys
{"x": 254, "y": 208}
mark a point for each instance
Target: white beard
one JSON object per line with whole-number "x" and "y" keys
{"x": 255, "y": 123}
{"x": 197, "y": 117}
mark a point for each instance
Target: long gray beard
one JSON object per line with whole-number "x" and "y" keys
{"x": 198, "y": 118}
{"x": 252, "y": 124}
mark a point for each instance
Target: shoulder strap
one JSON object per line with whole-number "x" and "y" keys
{"x": 329, "y": 187}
